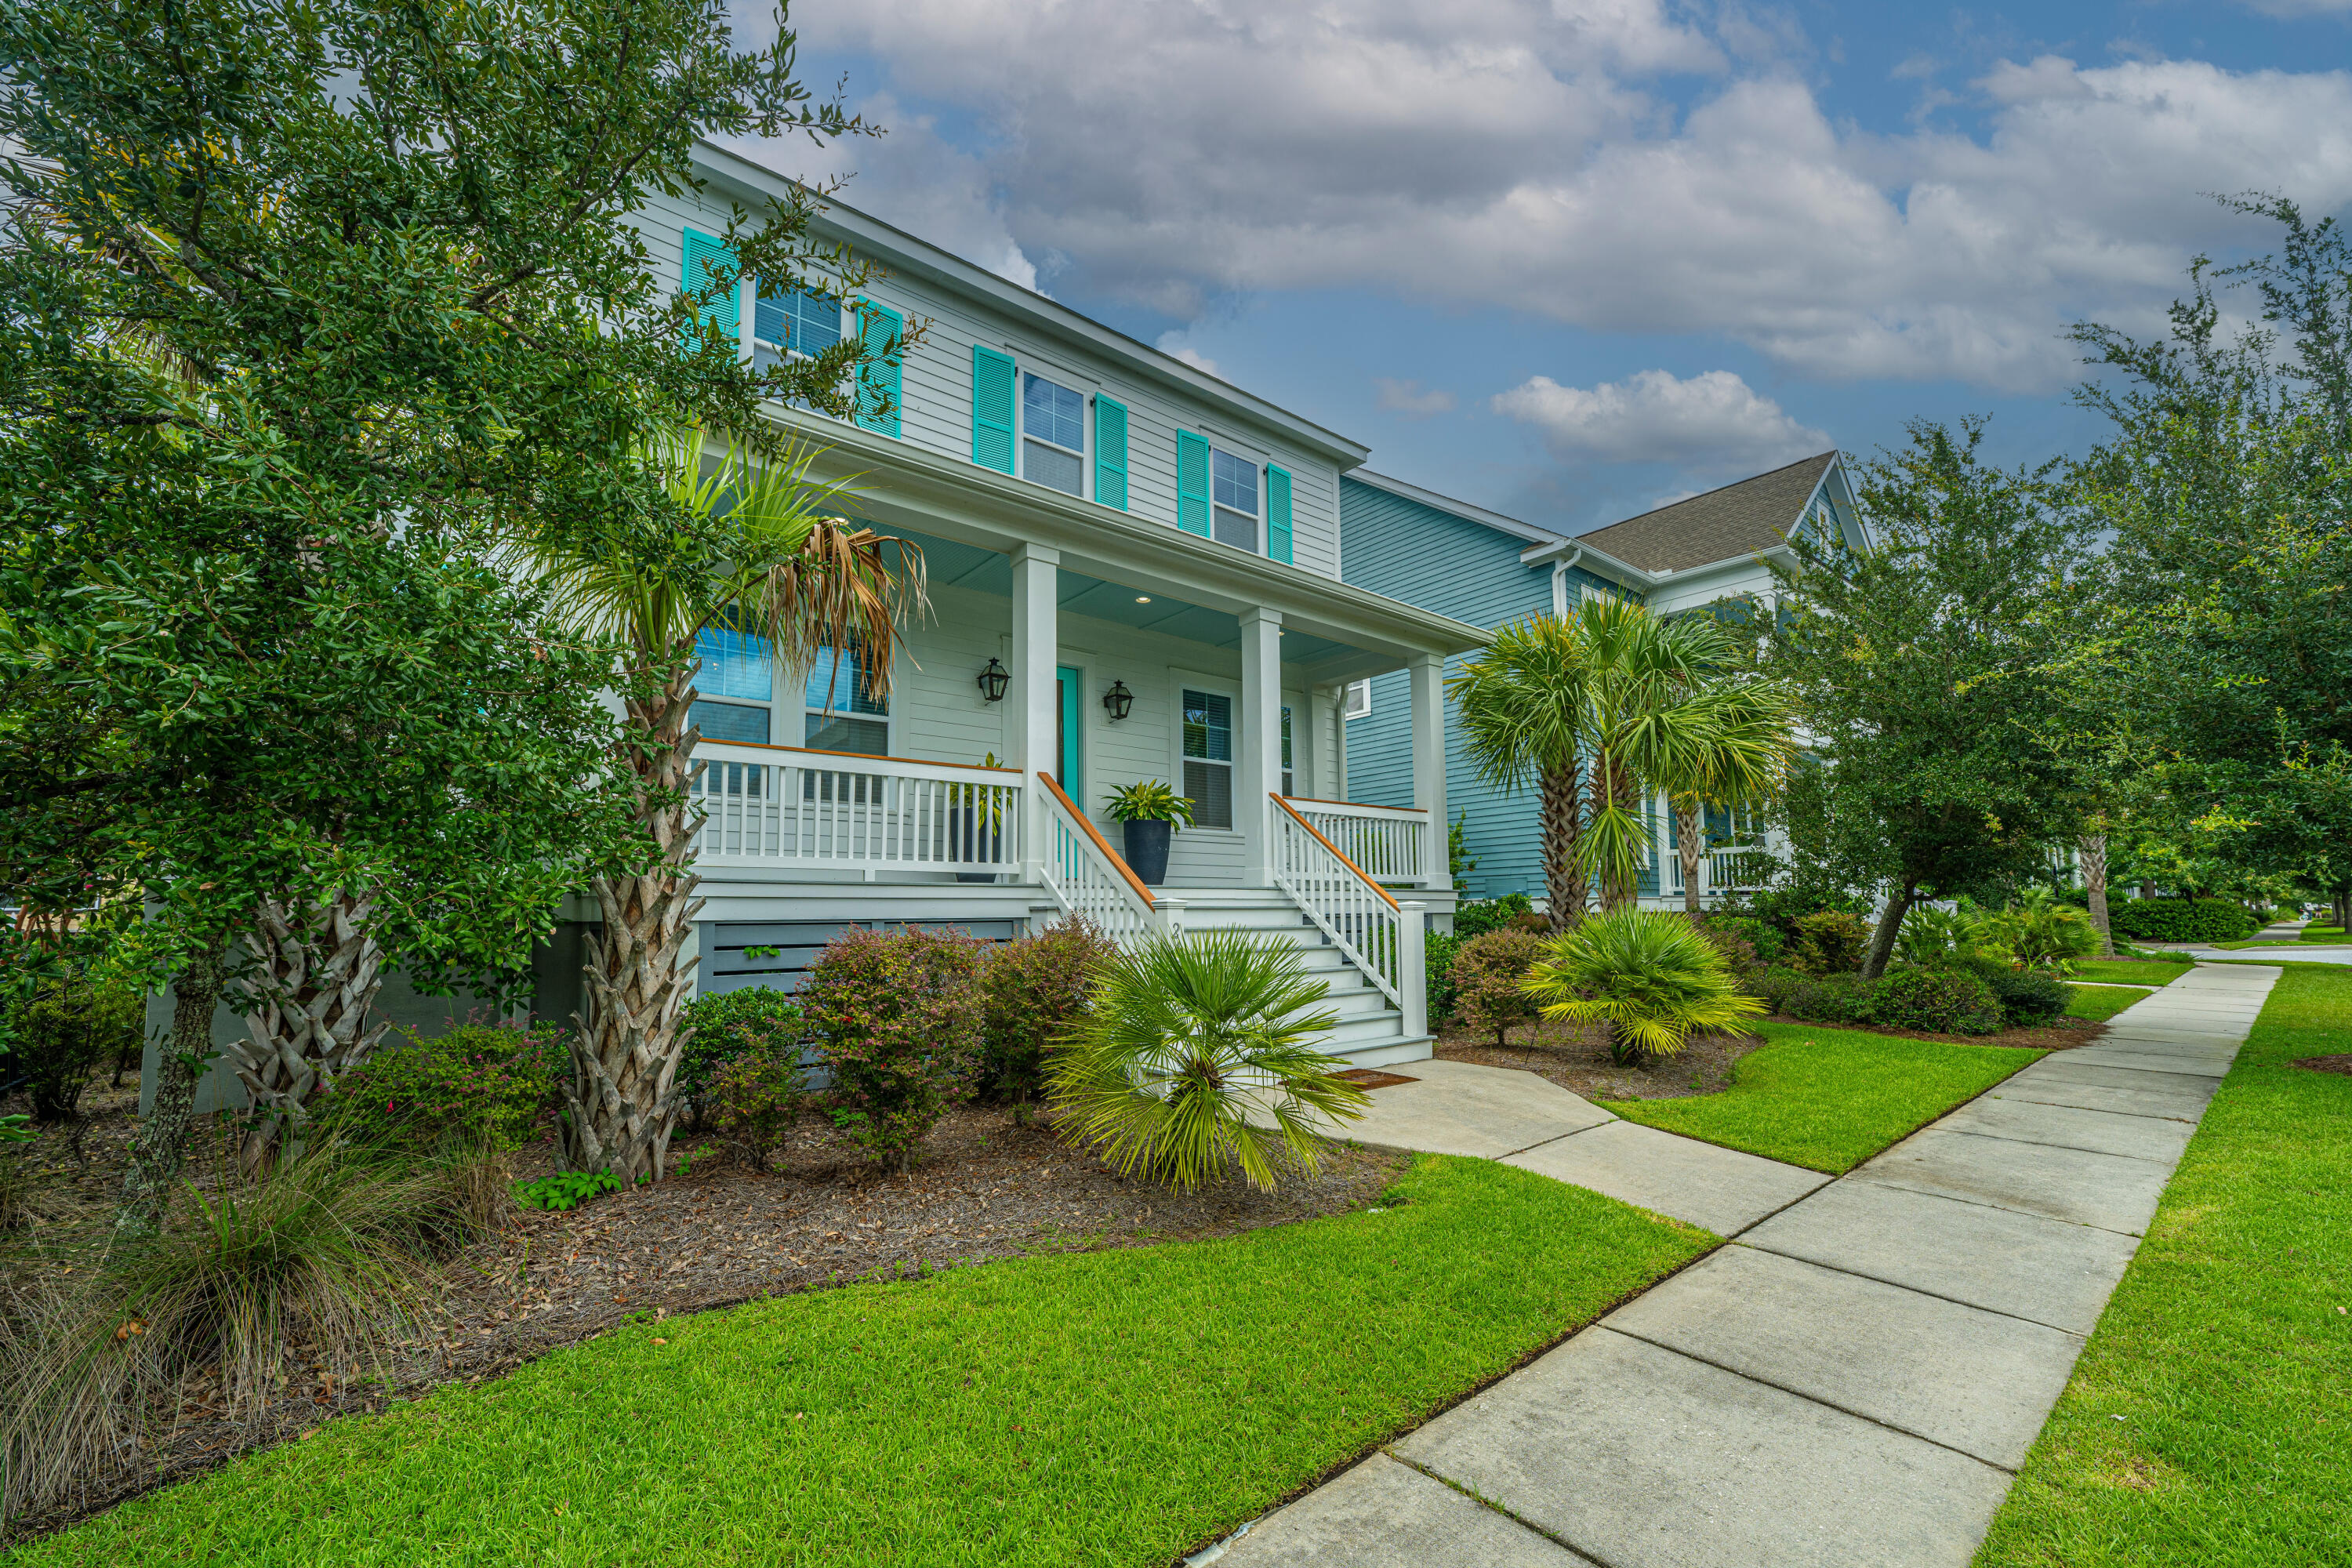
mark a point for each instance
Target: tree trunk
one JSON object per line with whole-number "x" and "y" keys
{"x": 318, "y": 970}
{"x": 1688, "y": 817}
{"x": 1890, "y": 922}
{"x": 2094, "y": 848}
{"x": 1561, "y": 797}
{"x": 161, "y": 1146}
{"x": 621, "y": 1103}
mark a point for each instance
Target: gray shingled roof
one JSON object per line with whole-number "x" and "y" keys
{"x": 1721, "y": 525}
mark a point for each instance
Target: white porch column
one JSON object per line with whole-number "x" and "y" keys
{"x": 1318, "y": 763}
{"x": 1429, "y": 763}
{"x": 1029, "y": 724}
{"x": 1258, "y": 770}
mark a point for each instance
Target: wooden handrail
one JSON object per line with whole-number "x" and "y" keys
{"x": 1327, "y": 844}
{"x": 1101, "y": 843}
{"x": 1358, "y": 804}
{"x": 854, "y": 756}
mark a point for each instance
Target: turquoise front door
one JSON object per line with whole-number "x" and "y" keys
{"x": 1067, "y": 733}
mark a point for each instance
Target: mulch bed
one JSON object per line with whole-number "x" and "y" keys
{"x": 988, "y": 1188}
{"x": 1576, "y": 1057}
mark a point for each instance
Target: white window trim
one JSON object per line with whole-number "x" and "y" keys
{"x": 771, "y": 704}
{"x": 1259, "y": 465}
{"x": 1214, "y": 687}
{"x": 749, "y": 305}
{"x": 889, "y": 722}
{"x": 1023, "y": 368}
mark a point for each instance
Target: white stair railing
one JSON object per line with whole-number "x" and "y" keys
{"x": 1363, "y": 919}
{"x": 1390, "y": 843}
{"x": 1087, "y": 877}
{"x": 783, "y": 806}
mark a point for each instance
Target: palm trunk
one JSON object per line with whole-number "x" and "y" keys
{"x": 319, "y": 969}
{"x": 161, "y": 1147}
{"x": 1562, "y": 804}
{"x": 1611, "y": 784}
{"x": 621, "y": 1104}
{"x": 2093, "y": 846}
{"x": 1688, "y": 848}
{"x": 1890, "y": 922}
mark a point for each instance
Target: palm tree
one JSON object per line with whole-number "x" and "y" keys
{"x": 768, "y": 561}
{"x": 1748, "y": 765}
{"x": 1649, "y": 977}
{"x": 1521, "y": 705}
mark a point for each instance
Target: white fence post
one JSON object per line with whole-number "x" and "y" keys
{"x": 1171, "y": 912}
{"x": 1412, "y": 968}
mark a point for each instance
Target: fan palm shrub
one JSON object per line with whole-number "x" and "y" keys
{"x": 1197, "y": 1061}
{"x": 1650, "y": 978}
{"x": 2042, "y": 933}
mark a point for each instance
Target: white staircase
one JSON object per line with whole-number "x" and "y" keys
{"x": 1371, "y": 1030}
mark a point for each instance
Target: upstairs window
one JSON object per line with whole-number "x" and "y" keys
{"x": 841, "y": 710}
{"x": 1234, "y": 490}
{"x": 1358, "y": 701}
{"x": 1053, "y": 435}
{"x": 735, "y": 687}
{"x": 1209, "y": 758}
{"x": 792, "y": 321}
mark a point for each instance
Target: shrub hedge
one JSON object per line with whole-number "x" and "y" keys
{"x": 2030, "y": 998}
{"x": 477, "y": 1084}
{"x": 2180, "y": 919}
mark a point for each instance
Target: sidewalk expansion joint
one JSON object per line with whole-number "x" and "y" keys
{"x": 2005, "y": 1208}
{"x": 2046, "y": 1143}
{"x": 1530, "y": 1526}
{"x": 1915, "y": 1290}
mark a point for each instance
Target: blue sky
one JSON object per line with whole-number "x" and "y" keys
{"x": 1570, "y": 260}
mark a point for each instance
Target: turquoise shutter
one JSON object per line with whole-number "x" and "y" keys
{"x": 991, "y": 408}
{"x": 704, "y": 257}
{"x": 1277, "y": 513}
{"x": 880, "y": 332}
{"x": 1193, "y": 483}
{"x": 1110, "y": 453}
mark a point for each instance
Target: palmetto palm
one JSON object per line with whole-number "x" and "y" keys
{"x": 1648, "y": 976}
{"x": 1196, "y": 1059}
{"x": 759, "y": 555}
{"x": 1521, "y": 706}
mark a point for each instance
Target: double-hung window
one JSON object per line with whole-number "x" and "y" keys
{"x": 792, "y": 321}
{"x": 1209, "y": 758}
{"x": 735, "y": 687}
{"x": 1053, "y": 435}
{"x": 1234, "y": 490}
{"x": 841, "y": 711}
{"x": 1358, "y": 701}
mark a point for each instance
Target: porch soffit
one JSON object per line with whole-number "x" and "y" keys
{"x": 904, "y": 489}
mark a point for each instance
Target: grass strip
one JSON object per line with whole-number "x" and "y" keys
{"x": 1829, "y": 1098}
{"x": 2206, "y": 1422}
{"x": 2131, "y": 972}
{"x": 1108, "y": 1407}
{"x": 2100, "y": 1002}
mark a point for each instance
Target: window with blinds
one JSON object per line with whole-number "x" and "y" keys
{"x": 841, "y": 711}
{"x": 1209, "y": 758}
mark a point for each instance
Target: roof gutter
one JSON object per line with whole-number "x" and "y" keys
{"x": 1566, "y": 552}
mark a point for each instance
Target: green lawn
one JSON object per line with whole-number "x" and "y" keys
{"x": 2207, "y": 1422}
{"x": 1829, "y": 1098}
{"x": 1108, "y": 1407}
{"x": 2130, "y": 971}
{"x": 2099, "y": 1003}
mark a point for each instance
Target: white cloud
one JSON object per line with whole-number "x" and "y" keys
{"x": 1173, "y": 345}
{"x": 1712, "y": 421}
{"x": 1529, "y": 155}
{"x": 1410, "y": 399}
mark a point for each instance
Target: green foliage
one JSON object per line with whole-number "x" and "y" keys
{"x": 2030, "y": 998}
{"x": 1826, "y": 999}
{"x": 1959, "y": 938}
{"x": 900, "y": 1022}
{"x": 1149, "y": 800}
{"x": 1480, "y": 916}
{"x": 2180, "y": 919}
{"x": 1035, "y": 990}
{"x": 1782, "y": 907}
{"x": 1438, "y": 951}
{"x": 2042, "y": 933}
{"x": 758, "y": 1020}
{"x": 476, "y": 1085}
{"x": 1649, "y": 976}
{"x": 1196, "y": 1043}
{"x": 565, "y": 1190}
{"x": 1932, "y": 1001}
{"x": 1486, "y": 976}
{"x": 1762, "y": 938}
{"x": 1830, "y": 941}
{"x": 66, "y": 1033}
{"x": 755, "y": 1102}
{"x": 1459, "y": 861}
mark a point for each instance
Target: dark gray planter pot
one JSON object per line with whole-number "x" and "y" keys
{"x": 1147, "y": 850}
{"x": 974, "y": 835}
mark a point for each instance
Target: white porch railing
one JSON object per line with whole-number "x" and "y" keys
{"x": 1387, "y": 843}
{"x": 784, "y": 807}
{"x": 1381, "y": 937}
{"x": 1086, "y": 878}
{"x": 1725, "y": 868}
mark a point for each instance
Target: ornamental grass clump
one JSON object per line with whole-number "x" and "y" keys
{"x": 1649, "y": 977}
{"x": 1196, "y": 1061}
{"x": 899, "y": 1019}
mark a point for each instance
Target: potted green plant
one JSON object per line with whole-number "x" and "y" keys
{"x": 977, "y": 826}
{"x": 1151, "y": 812}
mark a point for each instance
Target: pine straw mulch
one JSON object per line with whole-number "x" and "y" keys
{"x": 1575, "y": 1056}
{"x": 987, "y": 1188}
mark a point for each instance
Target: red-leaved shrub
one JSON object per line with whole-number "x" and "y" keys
{"x": 899, "y": 1019}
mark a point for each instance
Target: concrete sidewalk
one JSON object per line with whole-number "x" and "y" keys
{"x": 1852, "y": 1383}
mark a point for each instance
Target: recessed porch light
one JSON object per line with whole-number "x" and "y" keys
{"x": 1143, "y": 598}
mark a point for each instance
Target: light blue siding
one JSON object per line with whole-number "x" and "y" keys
{"x": 1432, "y": 558}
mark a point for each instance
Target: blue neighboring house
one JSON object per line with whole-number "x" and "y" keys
{"x": 1480, "y": 566}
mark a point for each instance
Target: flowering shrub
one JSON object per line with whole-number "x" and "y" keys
{"x": 478, "y": 1084}
{"x": 1486, "y": 975}
{"x": 1035, "y": 990}
{"x": 900, "y": 1020}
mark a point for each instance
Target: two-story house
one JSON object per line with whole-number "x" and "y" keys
{"x": 1700, "y": 553}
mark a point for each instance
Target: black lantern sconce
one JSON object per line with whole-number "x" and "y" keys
{"x": 993, "y": 680}
{"x": 1118, "y": 700}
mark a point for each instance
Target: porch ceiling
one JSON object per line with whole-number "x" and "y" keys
{"x": 965, "y": 565}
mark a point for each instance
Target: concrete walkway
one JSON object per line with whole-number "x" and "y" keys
{"x": 1853, "y": 1383}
